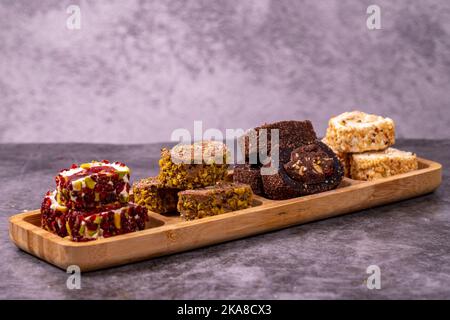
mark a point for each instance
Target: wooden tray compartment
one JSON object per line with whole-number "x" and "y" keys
{"x": 169, "y": 234}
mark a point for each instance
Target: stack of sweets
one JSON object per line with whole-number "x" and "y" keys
{"x": 92, "y": 201}
{"x": 303, "y": 166}
{"x": 363, "y": 143}
{"x": 192, "y": 175}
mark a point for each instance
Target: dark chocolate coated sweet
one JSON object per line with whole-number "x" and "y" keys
{"x": 311, "y": 169}
{"x": 292, "y": 134}
{"x": 249, "y": 174}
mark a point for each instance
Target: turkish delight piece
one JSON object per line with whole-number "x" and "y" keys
{"x": 85, "y": 225}
{"x": 357, "y": 131}
{"x": 312, "y": 169}
{"x": 190, "y": 166}
{"x": 251, "y": 175}
{"x": 152, "y": 194}
{"x": 93, "y": 185}
{"x": 214, "y": 200}
{"x": 380, "y": 164}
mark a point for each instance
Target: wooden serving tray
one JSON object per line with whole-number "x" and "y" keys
{"x": 169, "y": 234}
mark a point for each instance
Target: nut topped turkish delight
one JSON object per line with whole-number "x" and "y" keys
{"x": 357, "y": 131}
{"x": 92, "y": 185}
{"x": 213, "y": 200}
{"x": 380, "y": 164}
{"x": 190, "y": 166}
{"x": 153, "y": 195}
{"x": 87, "y": 225}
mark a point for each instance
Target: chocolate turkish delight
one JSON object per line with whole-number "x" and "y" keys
{"x": 291, "y": 134}
{"x": 249, "y": 174}
{"x": 311, "y": 169}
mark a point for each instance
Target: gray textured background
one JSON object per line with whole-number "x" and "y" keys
{"x": 139, "y": 69}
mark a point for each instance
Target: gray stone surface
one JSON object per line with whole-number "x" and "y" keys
{"x": 230, "y": 63}
{"x": 409, "y": 240}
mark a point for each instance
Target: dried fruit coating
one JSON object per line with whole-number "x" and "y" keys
{"x": 84, "y": 225}
{"x": 91, "y": 186}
